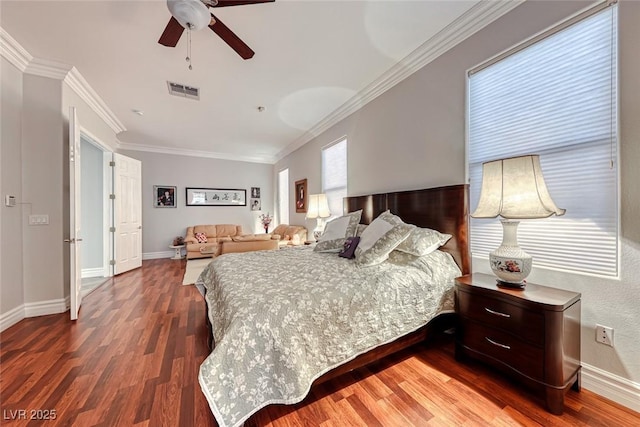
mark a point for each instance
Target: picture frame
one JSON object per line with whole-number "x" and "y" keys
{"x": 255, "y": 204}
{"x": 216, "y": 196}
{"x": 301, "y": 196}
{"x": 164, "y": 196}
{"x": 255, "y": 192}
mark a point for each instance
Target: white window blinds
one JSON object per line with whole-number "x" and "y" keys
{"x": 283, "y": 196}
{"x": 556, "y": 98}
{"x": 334, "y": 175}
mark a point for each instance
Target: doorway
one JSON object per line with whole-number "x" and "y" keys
{"x": 95, "y": 217}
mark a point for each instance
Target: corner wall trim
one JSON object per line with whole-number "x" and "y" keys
{"x": 611, "y": 386}
{"x": 11, "y": 317}
{"x": 156, "y": 255}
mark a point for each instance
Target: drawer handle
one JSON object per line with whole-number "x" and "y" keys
{"x": 507, "y": 347}
{"x": 497, "y": 313}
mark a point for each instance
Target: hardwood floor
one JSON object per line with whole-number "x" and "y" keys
{"x": 133, "y": 357}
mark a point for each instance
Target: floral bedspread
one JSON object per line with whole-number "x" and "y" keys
{"x": 283, "y": 318}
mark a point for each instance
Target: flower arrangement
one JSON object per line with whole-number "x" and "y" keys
{"x": 266, "y": 221}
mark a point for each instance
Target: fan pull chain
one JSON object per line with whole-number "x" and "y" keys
{"x": 188, "y": 58}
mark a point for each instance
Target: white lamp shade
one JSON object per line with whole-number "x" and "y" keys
{"x": 190, "y": 13}
{"x": 318, "y": 206}
{"x": 514, "y": 188}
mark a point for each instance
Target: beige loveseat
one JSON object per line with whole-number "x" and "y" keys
{"x": 286, "y": 234}
{"x": 222, "y": 239}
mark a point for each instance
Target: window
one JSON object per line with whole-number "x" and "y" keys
{"x": 283, "y": 196}
{"x": 334, "y": 175}
{"x": 556, "y": 97}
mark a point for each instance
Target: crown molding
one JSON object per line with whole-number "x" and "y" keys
{"x": 13, "y": 52}
{"x": 476, "y": 18}
{"x": 196, "y": 153}
{"x": 25, "y": 62}
{"x": 79, "y": 85}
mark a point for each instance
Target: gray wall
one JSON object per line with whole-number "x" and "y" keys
{"x": 413, "y": 136}
{"x": 161, "y": 225}
{"x": 92, "y": 206}
{"x": 11, "y": 290}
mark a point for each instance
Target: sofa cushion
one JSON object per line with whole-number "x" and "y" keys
{"x": 251, "y": 237}
{"x": 280, "y": 229}
{"x": 228, "y": 230}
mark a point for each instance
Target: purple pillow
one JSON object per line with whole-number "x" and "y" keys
{"x": 350, "y": 245}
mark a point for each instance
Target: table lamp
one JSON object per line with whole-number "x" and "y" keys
{"x": 318, "y": 209}
{"x": 514, "y": 189}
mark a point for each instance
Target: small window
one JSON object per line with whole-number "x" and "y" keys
{"x": 283, "y": 196}
{"x": 334, "y": 175}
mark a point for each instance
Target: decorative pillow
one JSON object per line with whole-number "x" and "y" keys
{"x": 361, "y": 228}
{"x": 423, "y": 241}
{"x": 201, "y": 237}
{"x": 336, "y": 232}
{"x": 382, "y": 236}
{"x": 349, "y": 249}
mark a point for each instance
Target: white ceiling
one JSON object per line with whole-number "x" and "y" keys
{"x": 311, "y": 58}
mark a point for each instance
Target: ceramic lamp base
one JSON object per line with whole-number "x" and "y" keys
{"x": 509, "y": 262}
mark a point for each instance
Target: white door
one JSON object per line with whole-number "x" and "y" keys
{"x": 75, "y": 266}
{"x": 127, "y": 211}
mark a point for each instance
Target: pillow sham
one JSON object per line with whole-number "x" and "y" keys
{"x": 360, "y": 229}
{"x": 423, "y": 241}
{"x": 382, "y": 236}
{"x": 336, "y": 232}
{"x": 349, "y": 249}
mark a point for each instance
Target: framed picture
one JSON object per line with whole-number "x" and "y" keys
{"x": 164, "y": 196}
{"x": 301, "y": 196}
{"x": 255, "y": 192}
{"x": 216, "y": 197}
{"x": 255, "y": 205}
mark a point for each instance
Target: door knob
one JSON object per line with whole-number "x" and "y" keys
{"x": 69, "y": 240}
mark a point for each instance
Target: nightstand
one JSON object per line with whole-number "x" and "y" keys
{"x": 532, "y": 335}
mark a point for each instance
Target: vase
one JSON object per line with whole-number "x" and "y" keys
{"x": 266, "y": 229}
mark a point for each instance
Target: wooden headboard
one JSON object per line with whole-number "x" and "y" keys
{"x": 445, "y": 209}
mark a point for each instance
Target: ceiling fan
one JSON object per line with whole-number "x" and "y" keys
{"x": 195, "y": 15}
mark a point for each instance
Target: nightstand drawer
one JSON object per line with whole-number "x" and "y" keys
{"x": 505, "y": 348}
{"x": 523, "y": 323}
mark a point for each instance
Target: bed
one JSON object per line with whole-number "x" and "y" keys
{"x": 285, "y": 320}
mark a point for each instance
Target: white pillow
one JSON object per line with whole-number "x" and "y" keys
{"x": 337, "y": 231}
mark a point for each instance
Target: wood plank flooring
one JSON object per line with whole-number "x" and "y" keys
{"x": 133, "y": 357}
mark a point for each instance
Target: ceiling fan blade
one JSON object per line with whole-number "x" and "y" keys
{"x": 223, "y": 3}
{"x": 171, "y": 33}
{"x": 231, "y": 39}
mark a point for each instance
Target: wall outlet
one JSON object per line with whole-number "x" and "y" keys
{"x": 39, "y": 219}
{"x": 604, "y": 335}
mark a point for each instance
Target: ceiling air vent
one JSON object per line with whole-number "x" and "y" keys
{"x": 184, "y": 91}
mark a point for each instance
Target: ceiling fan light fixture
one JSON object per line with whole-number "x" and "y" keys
{"x": 191, "y": 14}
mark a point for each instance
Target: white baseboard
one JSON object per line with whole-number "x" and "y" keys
{"x": 156, "y": 255}
{"x": 43, "y": 308}
{"x": 11, "y": 317}
{"x": 92, "y": 272}
{"x": 611, "y": 386}
{"x": 33, "y": 309}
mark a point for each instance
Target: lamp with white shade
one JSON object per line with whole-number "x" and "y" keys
{"x": 319, "y": 209}
{"x": 514, "y": 189}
